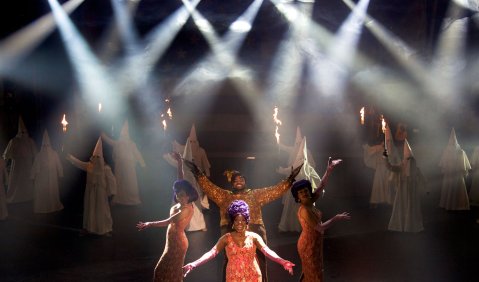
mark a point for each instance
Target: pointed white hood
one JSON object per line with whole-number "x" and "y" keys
{"x": 98, "y": 151}
{"x": 46, "y": 139}
{"x": 22, "y": 129}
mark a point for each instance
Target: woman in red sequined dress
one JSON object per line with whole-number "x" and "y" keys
{"x": 310, "y": 243}
{"x": 169, "y": 267}
{"x": 240, "y": 248}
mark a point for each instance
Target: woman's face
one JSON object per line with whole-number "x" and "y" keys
{"x": 182, "y": 197}
{"x": 239, "y": 224}
{"x": 304, "y": 195}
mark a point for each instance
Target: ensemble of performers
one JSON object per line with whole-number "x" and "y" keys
{"x": 397, "y": 181}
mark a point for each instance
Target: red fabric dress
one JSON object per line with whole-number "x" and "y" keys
{"x": 170, "y": 266}
{"x": 242, "y": 263}
{"x": 310, "y": 250}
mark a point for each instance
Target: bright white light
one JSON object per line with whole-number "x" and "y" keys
{"x": 18, "y": 45}
{"x": 469, "y": 4}
{"x": 240, "y": 26}
{"x": 93, "y": 81}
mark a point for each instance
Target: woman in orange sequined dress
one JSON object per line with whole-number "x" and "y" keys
{"x": 310, "y": 242}
{"x": 240, "y": 248}
{"x": 169, "y": 267}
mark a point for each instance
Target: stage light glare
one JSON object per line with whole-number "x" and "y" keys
{"x": 472, "y": 5}
{"x": 240, "y": 26}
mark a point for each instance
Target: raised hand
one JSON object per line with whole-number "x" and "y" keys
{"x": 332, "y": 163}
{"x": 194, "y": 169}
{"x": 343, "y": 216}
{"x": 294, "y": 173}
{"x": 176, "y": 156}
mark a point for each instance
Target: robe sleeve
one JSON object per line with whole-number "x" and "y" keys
{"x": 110, "y": 181}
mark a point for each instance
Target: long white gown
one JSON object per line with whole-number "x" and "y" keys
{"x": 46, "y": 170}
{"x": 125, "y": 157}
{"x": 381, "y": 191}
{"x": 100, "y": 184}
{"x": 21, "y": 150}
{"x": 455, "y": 166}
{"x": 406, "y": 214}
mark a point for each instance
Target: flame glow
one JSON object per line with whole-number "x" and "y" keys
{"x": 64, "y": 122}
{"x": 278, "y": 123}
{"x": 99, "y": 107}
{"x": 170, "y": 114}
{"x": 164, "y": 124}
{"x": 361, "y": 112}
{"x": 383, "y": 124}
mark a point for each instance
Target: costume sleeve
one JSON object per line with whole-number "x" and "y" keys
{"x": 58, "y": 166}
{"x": 138, "y": 155}
{"x": 110, "y": 181}
{"x": 108, "y": 140}
{"x": 76, "y": 162}
{"x": 269, "y": 194}
{"x": 215, "y": 193}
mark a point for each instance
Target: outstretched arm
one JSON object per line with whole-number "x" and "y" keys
{"x": 324, "y": 180}
{"x": 211, "y": 254}
{"x": 161, "y": 223}
{"x": 323, "y": 226}
{"x": 107, "y": 139}
{"x": 270, "y": 254}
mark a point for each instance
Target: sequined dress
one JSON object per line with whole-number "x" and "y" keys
{"x": 310, "y": 249}
{"x": 170, "y": 266}
{"x": 242, "y": 263}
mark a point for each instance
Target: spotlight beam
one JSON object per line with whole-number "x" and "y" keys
{"x": 93, "y": 80}
{"x": 21, "y": 43}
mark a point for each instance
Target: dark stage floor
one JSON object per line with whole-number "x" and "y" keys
{"x": 49, "y": 248}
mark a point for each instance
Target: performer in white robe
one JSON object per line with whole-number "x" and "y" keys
{"x": 197, "y": 222}
{"x": 406, "y": 214}
{"x": 46, "y": 170}
{"x": 100, "y": 184}
{"x": 381, "y": 191}
{"x": 21, "y": 150}
{"x": 394, "y": 158}
{"x": 474, "y": 192}
{"x": 199, "y": 158}
{"x": 125, "y": 157}
{"x": 3, "y": 198}
{"x": 289, "y": 215}
{"x": 454, "y": 167}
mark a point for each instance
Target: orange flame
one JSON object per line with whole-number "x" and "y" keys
{"x": 383, "y": 124}
{"x": 361, "y": 112}
{"x": 277, "y": 122}
{"x": 64, "y": 122}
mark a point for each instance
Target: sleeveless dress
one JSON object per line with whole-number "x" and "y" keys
{"x": 170, "y": 266}
{"x": 310, "y": 250}
{"x": 242, "y": 263}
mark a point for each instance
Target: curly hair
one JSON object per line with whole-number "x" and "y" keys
{"x": 299, "y": 185}
{"x": 183, "y": 185}
{"x": 238, "y": 207}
